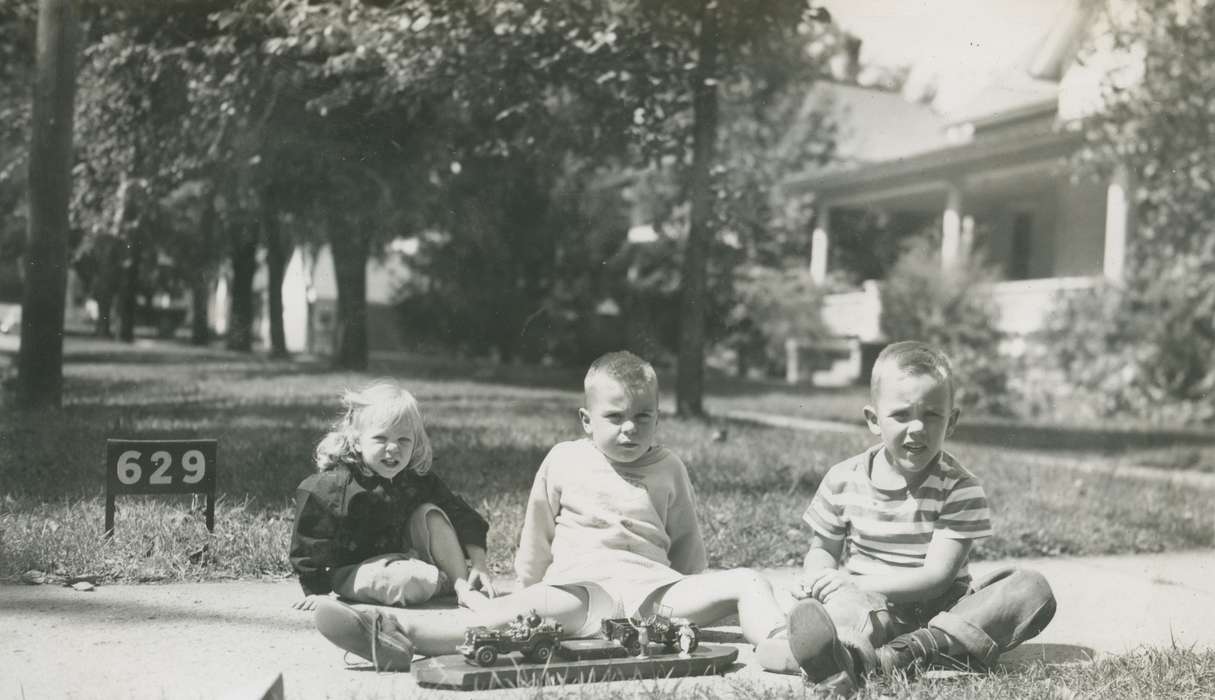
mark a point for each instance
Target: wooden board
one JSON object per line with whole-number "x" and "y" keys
{"x": 454, "y": 672}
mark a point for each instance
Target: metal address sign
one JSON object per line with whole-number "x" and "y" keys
{"x": 159, "y": 467}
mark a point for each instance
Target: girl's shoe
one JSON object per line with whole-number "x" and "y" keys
{"x": 369, "y": 634}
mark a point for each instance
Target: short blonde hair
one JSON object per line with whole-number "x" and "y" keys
{"x": 380, "y": 403}
{"x": 915, "y": 358}
{"x": 633, "y": 373}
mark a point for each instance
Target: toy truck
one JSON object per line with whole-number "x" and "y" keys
{"x": 674, "y": 634}
{"x": 536, "y": 639}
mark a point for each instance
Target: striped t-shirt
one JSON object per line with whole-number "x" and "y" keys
{"x": 886, "y": 530}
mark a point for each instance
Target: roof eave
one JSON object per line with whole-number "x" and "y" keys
{"x": 928, "y": 162}
{"x": 1043, "y": 106}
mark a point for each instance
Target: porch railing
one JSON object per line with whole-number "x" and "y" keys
{"x": 855, "y": 314}
{"x": 1023, "y": 304}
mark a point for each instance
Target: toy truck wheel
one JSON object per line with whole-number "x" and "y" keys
{"x": 543, "y": 652}
{"x": 688, "y": 641}
{"x": 486, "y": 656}
{"x": 633, "y": 646}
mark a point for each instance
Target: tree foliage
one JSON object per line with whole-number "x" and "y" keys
{"x": 1147, "y": 347}
{"x": 596, "y": 92}
{"x": 17, "y": 28}
{"x": 499, "y": 134}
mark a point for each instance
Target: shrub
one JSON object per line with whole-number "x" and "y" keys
{"x": 1144, "y": 350}
{"x": 773, "y": 306}
{"x": 1147, "y": 348}
{"x": 951, "y": 308}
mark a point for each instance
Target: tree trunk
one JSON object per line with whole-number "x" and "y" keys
{"x": 244, "y": 267}
{"x": 350, "y": 268}
{"x": 201, "y": 276}
{"x": 105, "y": 284}
{"x": 277, "y": 251}
{"x": 200, "y": 317}
{"x": 689, "y": 378}
{"x": 129, "y": 300}
{"x": 40, "y": 357}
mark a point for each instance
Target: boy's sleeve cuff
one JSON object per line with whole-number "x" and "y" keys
{"x": 819, "y": 530}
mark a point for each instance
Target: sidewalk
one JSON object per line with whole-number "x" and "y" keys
{"x": 213, "y": 640}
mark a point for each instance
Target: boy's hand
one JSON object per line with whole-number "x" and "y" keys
{"x": 479, "y": 579}
{"x": 308, "y": 603}
{"x": 825, "y": 583}
{"x": 804, "y": 587}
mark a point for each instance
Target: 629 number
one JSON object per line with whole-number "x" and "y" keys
{"x": 130, "y": 471}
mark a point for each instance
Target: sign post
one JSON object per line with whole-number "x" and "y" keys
{"x": 159, "y": 467}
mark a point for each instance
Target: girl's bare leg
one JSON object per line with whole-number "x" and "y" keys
{"x": 707, "y": 598}
{"x": 441, "y": 631}
{"x": 445, "y": 547}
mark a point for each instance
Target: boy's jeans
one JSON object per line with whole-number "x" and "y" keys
{"x": 990, "y": 616}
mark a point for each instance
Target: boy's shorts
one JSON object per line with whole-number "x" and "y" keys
{"x": 620, "y": 597}
{"x": 398, "y": 578}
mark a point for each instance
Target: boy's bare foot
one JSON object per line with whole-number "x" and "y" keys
{"x": 469, "y": 598}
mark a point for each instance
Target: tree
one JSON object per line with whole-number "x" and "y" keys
{"x": 749, "y": 50}
{"x": 444, "y": 115}
{"x": 18, "y": 24}
{"x": 546, "y": 88}
{"x": 40, "y": 358}
{"x": 1148, "y": 346}
{"x": 149, "y": 135}
{"x": 203, "y": 91}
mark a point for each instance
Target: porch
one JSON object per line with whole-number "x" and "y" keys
{"x": 1009, "y": 196}
{"x": 855, "y": 320}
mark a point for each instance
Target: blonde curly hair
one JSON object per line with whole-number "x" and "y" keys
{"x": 378, "y": 404}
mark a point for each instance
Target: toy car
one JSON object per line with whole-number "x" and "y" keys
{"x": 675, "y": 634}
{"x": 537, "y": 640}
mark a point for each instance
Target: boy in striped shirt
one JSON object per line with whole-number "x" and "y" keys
{"x": 886, "y": 581}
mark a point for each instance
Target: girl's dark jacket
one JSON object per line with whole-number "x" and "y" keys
{"x": 343, "y": 518}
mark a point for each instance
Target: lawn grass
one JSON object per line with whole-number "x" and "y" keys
{"x": 1121, "y": 442}
{"x": 491, "y": 427}
{"x": 1173, "y": 673}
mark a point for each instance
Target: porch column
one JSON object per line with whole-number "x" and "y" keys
{"x": 792, "y": 372}
{"x": 951, "y": 227}
{"x": 819, "y": 242}
{"x": 1119, "y": 220}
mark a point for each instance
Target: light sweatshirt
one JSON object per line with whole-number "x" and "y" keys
{"x": 589, "y": 519}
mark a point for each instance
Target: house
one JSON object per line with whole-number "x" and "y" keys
{"x": 310, "y": 301}
{"x": 981, "y": 143}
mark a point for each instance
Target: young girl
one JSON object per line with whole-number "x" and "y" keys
{"x": 375, "y": 524}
